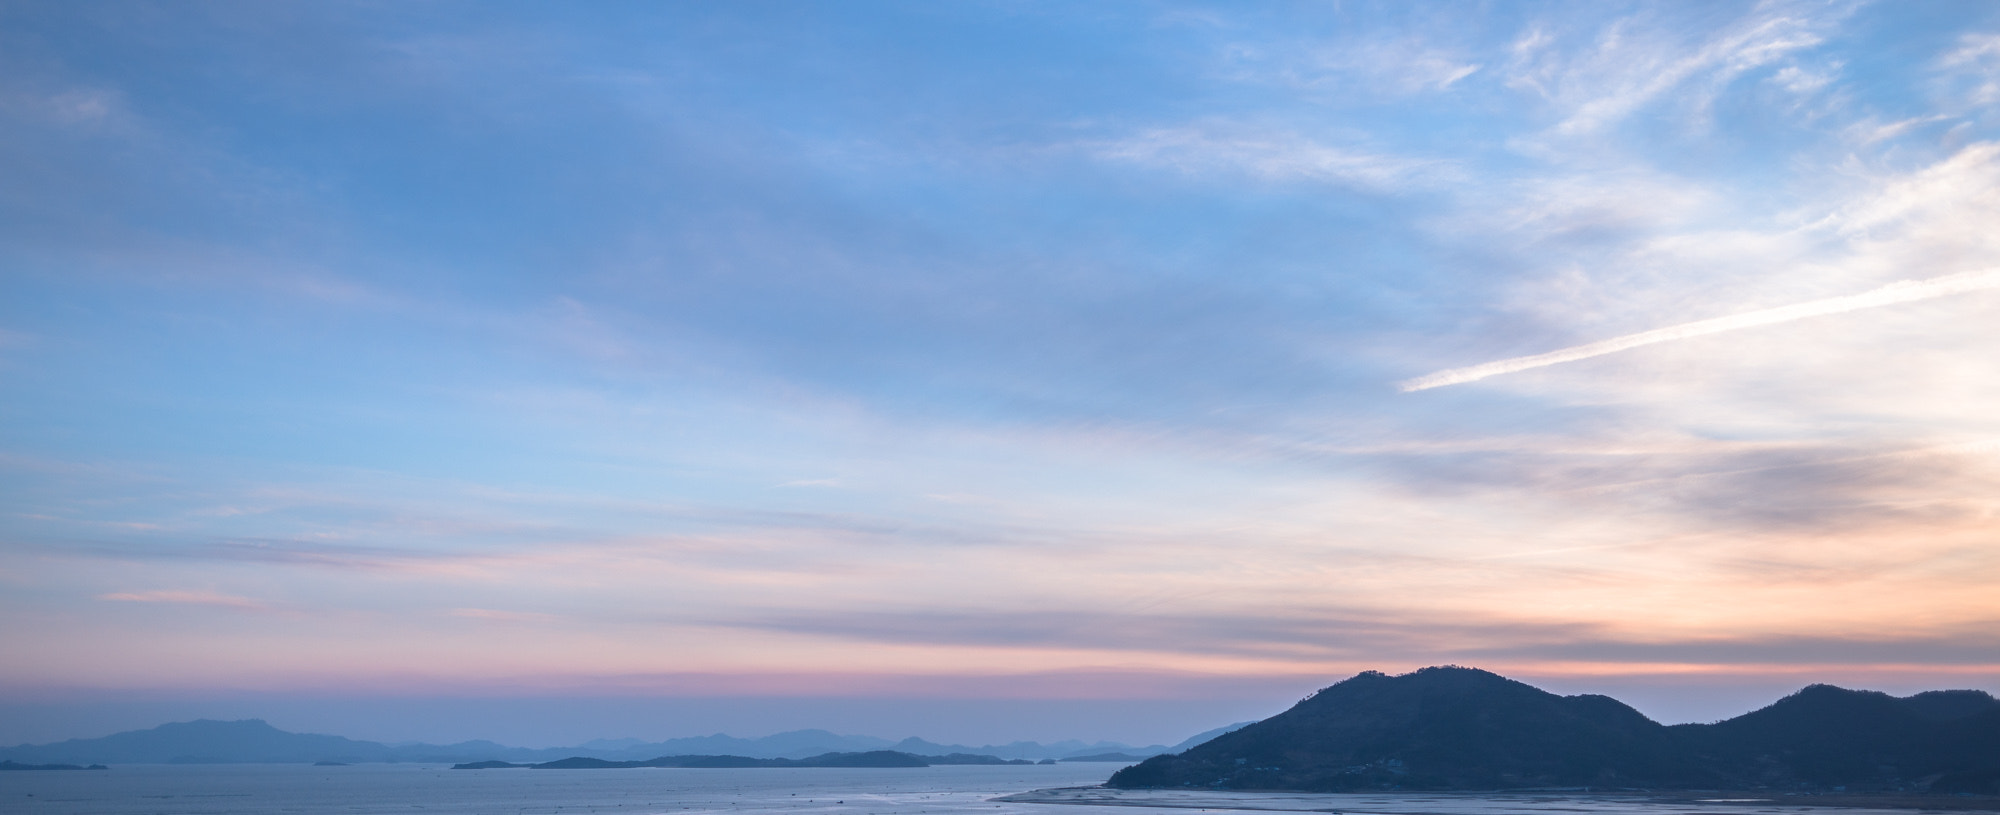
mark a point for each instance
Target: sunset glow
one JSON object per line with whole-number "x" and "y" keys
{"x": 980, "y": 352}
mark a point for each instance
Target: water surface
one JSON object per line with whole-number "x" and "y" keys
{"x": 242, "y": 789}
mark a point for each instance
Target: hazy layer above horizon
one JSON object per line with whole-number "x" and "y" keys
{"x": 255, "y": 741}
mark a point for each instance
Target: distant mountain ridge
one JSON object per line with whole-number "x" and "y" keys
{"x": 1462, "y": 728}
{"x": 207, "y": 741}
{"x": 872, "y": 758}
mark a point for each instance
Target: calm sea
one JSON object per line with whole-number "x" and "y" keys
{"x": 241, "y": 789}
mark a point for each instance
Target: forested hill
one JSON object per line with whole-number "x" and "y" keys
{"x": 1462, "y": 728}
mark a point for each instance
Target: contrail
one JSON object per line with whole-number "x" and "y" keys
{"x": 1902, "y": 291}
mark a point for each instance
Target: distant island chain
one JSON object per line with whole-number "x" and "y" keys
{"x": 1437, "y": 729}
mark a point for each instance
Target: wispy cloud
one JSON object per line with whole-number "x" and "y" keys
{"x": 1628, "y": 69}
{"x": 185, "y": 597}
{"x": 1596, "y": 75}
{"x": 75, "y": 107}
{"x": 1871, "y": 130}
{"x": 1905, "y": 291}
{"x": 1976, "y": 62}
{"x": 1270, "y": 154}
{"x": 502, "y": 615}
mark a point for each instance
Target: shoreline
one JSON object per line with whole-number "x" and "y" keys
{"x": 1400, "y": 802}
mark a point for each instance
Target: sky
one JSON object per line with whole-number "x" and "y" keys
{"x": 989, "y": 370}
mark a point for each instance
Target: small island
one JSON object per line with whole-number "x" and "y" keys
{"x": 15, "y": 765}
{"x": 871, "y": 758}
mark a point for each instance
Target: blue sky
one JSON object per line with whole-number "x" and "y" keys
{"x": 993, "y": 354}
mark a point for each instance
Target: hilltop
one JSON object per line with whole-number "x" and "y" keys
{"x": 1450, "y": 728}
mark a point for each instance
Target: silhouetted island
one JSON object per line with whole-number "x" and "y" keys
{"x": 871, "y": 758}
{"x": 1453, "y": 728}
{"x": 15, "y": 765}
{"x": 255, "y": 741}
{"x": 1117, "y": 758}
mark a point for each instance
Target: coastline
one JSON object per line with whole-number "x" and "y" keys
{"x": 1401, "y": 802}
